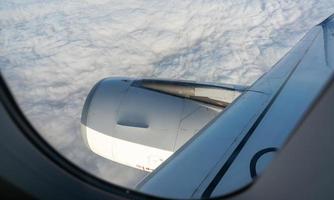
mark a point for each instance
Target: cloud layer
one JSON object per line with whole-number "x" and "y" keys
{"x": 53, "y": 51}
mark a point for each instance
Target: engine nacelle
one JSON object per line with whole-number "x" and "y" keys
{"x": 141, "y": 122}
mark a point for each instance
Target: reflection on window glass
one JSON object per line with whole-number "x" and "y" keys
{"x": 162, "y": 71}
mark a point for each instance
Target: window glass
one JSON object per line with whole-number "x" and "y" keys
{"x": 54, "y": 51}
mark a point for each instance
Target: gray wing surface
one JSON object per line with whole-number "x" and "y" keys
{"x": 218, "y": 160}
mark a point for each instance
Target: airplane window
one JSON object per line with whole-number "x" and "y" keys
{"x": 124, "y": 88}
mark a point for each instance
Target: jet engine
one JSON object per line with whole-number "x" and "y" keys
{"x": 141, "y": 122}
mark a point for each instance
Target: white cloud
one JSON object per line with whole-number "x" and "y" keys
{"x": 53, "y": 51}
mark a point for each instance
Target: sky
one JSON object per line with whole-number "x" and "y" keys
{"x": 52, "y": 52}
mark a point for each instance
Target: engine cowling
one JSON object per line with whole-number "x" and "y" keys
{"x": 141, "y": 122}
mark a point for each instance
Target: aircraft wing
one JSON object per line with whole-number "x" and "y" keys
{"x": 234, "y": 147}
